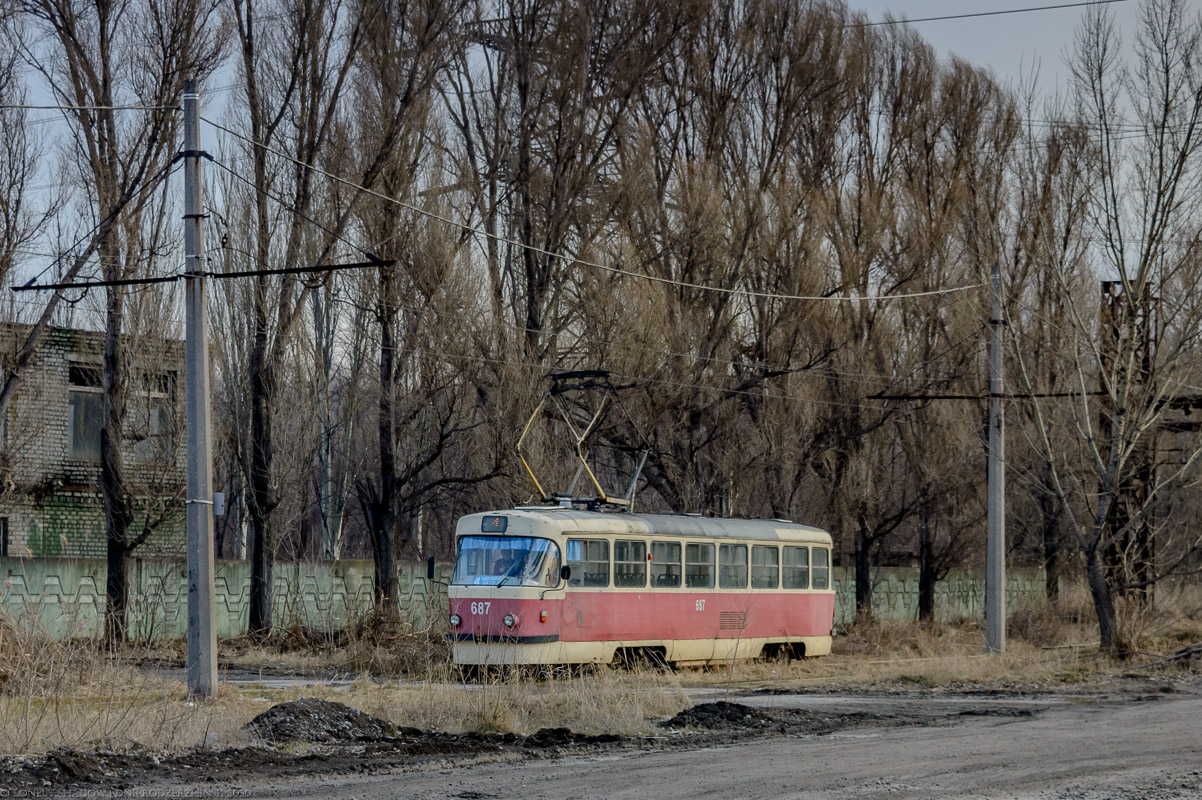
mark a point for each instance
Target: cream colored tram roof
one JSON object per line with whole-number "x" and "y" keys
{"x": 549, "y": 520}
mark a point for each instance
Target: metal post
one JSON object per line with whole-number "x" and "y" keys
{"x": 995, "y": 567}
{"x": 202, "y": 634}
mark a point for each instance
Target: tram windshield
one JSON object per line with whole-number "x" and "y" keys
{"x": 506, "y": 561}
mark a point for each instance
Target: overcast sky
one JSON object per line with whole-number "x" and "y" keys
{"x": 1010, "y": 44}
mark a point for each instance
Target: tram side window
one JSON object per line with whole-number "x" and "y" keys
{"x": 822, "y": 568}
{"x": 732, "y": 566}
{"x": 589, "y": 560}
{"x": 665, "y": 564}
{"x": 795, "y": 573}
{"x": 699, "y": 566}
{"x": 630, "y": 564}
{"x": 765, "y": 566}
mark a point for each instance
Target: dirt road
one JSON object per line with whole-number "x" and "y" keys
{"x": 1147, "y": 747}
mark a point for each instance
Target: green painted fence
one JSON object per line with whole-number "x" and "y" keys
{"x": 65, "y": 597}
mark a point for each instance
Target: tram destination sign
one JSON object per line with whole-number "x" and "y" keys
{"x": 494, "y": 524}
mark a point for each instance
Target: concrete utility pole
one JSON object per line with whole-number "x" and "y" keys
{"x": 995, "y": 567}
{"x": 202, "y": 633}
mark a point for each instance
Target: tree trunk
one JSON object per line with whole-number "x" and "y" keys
{"x": 1103, "y": 601}
{"x": 863, "y": 574}
{"x": 926, "y": 569}
{"x": 331, "y": 533}
{"x": 387, "y": 590}
{"x": 1050, "y": 516}
{"x": 118, "y": 511}
{"x": 379, "y": 504}
{"x": 261, "y": 569}
{"x": 116, "y": 594}
{"x": 383, "y": 553}
{"x": 262, "y": 501}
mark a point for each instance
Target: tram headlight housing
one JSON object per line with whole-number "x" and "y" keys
{"x": 456, "y": 620}
{"x": 510, "y": 620}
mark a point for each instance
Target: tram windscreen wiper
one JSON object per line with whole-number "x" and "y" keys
{"x": 515, "y": 570}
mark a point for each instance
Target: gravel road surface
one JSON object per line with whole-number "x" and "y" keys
{"x": 1145, "y": 747}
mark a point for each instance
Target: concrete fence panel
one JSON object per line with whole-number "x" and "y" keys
{"x": 64, "y": 597}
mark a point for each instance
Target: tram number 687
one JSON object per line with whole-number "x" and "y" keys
{"x": 701, "y": 605}
{"x": 482, "y": 607}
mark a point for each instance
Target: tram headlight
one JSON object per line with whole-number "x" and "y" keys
{"x": 456, "y": 620}
{"x": 510, "y": 620}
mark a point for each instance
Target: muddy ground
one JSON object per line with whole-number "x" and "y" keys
{"x": 299, "y": 740}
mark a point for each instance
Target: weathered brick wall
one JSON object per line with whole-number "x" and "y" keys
{"x": 52, "y": 502}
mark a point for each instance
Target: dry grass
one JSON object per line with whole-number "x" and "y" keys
{"x": 1048, "y": 647}
{"x": 871, "y": 655}
{"x": 607, "y": 701}
{"x": 372, "y": 645}
{"x": 77, "y": 694}
{"x": 155, "y": 713}
{"x": 1174, "y": 621}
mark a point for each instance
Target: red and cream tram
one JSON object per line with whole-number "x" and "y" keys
{"x": 554, "y": 585}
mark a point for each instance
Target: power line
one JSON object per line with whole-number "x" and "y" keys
{"x": 1008, "y": 396}
{"x": 175, "y": 276}
{"x": 650, "y": 379}
{"x": 149, "y": 184}
{"x": 778, "y": 369}
{"x": 371, "y": 256}
{"x": 636, "y": 379}
{"x": 982, "y": 14}
{"x": 89, "y": 108}
{"x": 302, "y": 270}
{"x": 572, "y": 260}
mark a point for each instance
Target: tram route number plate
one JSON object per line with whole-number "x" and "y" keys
{"x": 482, "y": 607}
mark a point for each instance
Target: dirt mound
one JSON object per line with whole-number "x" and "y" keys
{"x": 313, "y": 720}
{"x": 381, "y": 747}
{"x": 69, "y": 766}
{"x": 565, "y": 737}
{"x": 719, "y": 716}
{"x": 550, "y": 737}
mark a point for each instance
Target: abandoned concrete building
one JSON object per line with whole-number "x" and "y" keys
{"x": 50, "y": 501}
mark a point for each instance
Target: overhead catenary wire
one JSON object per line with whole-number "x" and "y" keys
{"x": 357, "y": 265}
{"x": 287, "y": 207}
{"x": 633, "y": 379}
{"x": 177, "y": 276}
{"x": 329, "y": 267}
{"x": 975, "y": 14}
{"x": 573, "y": 260}
{"x": 780, "y": 369}
{"x": 147, "y": 185}
{"x": 986, "y": 396}
{"x": 637, "y": 379}
{"x": 609, "y": 268}
{"x": 87, "y": 108}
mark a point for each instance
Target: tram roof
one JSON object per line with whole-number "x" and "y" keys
{"x": 543, "y": 520}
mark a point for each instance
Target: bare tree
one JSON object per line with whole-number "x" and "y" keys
{"x": 1128, "y": 364}
{"x": 540, "y": 119}
{"x": 295, "y": 58}
{"x": 418, "y": 415}
{"x": 1051, "y": 205}
{"x": 109, "y": 55}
